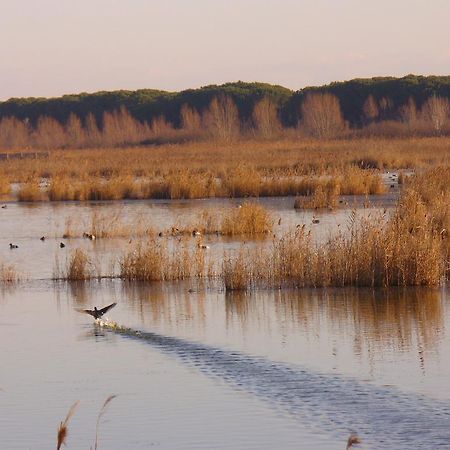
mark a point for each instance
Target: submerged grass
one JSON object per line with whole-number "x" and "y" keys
{"x": 107, "y": 224}
{"x": 9, "y": 274}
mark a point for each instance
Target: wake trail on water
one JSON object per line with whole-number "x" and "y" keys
{"x": 385, "y": 418}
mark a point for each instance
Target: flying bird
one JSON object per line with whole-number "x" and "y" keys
{"x": 97, "y": 313}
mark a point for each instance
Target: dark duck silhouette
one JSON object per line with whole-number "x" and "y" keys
{"x": 97, "y": 313}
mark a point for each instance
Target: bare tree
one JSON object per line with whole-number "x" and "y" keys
{"x": 120, "y": 127}
{"x": 435, "y": 111}
{"x": 190, "y": 119}
{"x": 370, "y": 109}
{"x": 408, "y": 112}
{"x": 49, "y": 133}
{"x": 160, "y": 126}
{"x": 14, "y": 133}
{"x": 322, "y": 116}
{"x": 265, "y": 118}
{"x": 75, "y": 132}
{"x": 385, "y": 104}
{"x": 94, "y": 136}
{"x": 221, "y": 119}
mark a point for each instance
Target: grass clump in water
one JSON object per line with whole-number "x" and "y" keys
{"x": 8, "y": 274}
{"x": 250, "y": 218}
{"x": 156, "y": 261}
{"x": 326, "y": 195}
{"x": 79, "y": 267}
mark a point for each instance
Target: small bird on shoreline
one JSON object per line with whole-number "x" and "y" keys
{"x": 97, "y": 313}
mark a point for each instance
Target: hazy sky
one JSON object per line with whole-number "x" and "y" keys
{"x": 52, "y": 47}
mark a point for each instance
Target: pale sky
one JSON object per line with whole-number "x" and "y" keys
{"x": 55, "y": 47}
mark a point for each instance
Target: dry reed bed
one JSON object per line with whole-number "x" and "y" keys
{"x": 78, "y": 267}
{"x": 156, "y": 261}
{"x": 250, "y": 219}
{"x": 283, "y": 157}
{"x": 243, "y": 182}
{"x": 209, "y": 169}
{"x": 409, "y": 248}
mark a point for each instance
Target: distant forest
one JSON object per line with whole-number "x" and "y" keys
{"x": 384, "y": 106}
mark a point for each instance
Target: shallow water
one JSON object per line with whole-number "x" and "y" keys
{"x": 24, "y": 223}
{"x": 197, "y": 368}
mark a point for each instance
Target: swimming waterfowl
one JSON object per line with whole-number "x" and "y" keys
{"x": 11, "y": 246}
{"x": 97, "y": 313}
{"x": 42, "y": 238}
{"x": 62, "y": 245}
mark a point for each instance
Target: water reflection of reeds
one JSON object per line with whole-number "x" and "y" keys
{"x": 171, "y": 304}
{"x": 380, "y": 319}
{"x": 372, "y": 320}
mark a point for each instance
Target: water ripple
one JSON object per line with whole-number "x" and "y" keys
{"x": 386, "y": 418}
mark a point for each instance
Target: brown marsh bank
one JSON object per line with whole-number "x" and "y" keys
{"x": 212, "y": 169}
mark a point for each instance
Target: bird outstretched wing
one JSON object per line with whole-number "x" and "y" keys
{"x": 97, "y": 313}
{"x": 107, "y": 308}
{"x": 86, "y": 311}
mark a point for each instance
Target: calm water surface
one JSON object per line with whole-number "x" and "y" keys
{"x": 198, "y": 368}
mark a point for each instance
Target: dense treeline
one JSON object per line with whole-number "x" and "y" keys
{"x": 412, "y": 105}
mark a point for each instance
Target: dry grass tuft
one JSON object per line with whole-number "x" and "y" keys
{"x": 156, "y": 261}
{"x": 325, "y": 195}
{"x": 354, "y": 181}
{"x": 62, "y": 429}
{"x": 108, "y": 224}
{"x": 8, "y": 274}
{"x": 236, "y": 272}
{"x": 250, "y": 219}
{"x": 30, "y": 192}
{"x": 79, "y": 267}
